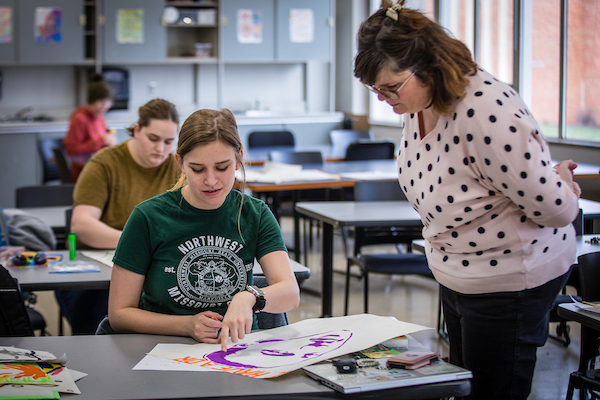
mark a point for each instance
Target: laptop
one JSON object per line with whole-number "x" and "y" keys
{"x": 376, "y": 378}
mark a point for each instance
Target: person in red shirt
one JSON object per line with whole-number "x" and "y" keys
{"x": 87, "y": 129}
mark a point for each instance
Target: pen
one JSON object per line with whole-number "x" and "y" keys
{"x": 589, "y": 304}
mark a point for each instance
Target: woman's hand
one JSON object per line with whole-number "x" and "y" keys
{"x": 204, "y": 327}
{"x": 565, "y": 170}
{"x": 238, "y": 319}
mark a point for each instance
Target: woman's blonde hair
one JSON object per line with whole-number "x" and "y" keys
{"x": 404, "y": 39}
{"x": 208, "y": 126}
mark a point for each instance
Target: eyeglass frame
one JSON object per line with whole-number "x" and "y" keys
{"x": 389, "y": 94}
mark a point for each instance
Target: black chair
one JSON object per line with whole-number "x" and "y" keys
{"x": 63, "y": 163}
{"x": 284, "y": 201}
{"x": 341, "y": 139}
{"x": 396, "y": 263}
{"x": 44, "y": 195}
{"x": 270, "y": 139}
{"x": 368, "y": 150}
{"x": 589, "y": 290}
{"x": 50, "y": 168}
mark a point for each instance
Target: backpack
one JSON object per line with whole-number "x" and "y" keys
{"x": 14, "y": 320}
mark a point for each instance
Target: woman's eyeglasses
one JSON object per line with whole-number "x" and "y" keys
{"x": 390, "y": 94}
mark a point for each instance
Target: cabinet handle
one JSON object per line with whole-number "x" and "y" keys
{"x": 223, "y": 20}
{"x": 82, "y": 20}
{"x": 100, "y": 20}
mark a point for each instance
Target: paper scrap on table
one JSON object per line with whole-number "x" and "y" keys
{"x": 272, "y": 172}
{"x": 274, "y": 352}
{"x": 103, "y": 256}
{"x": 11, "y": 354}
{"x": 370, "y": 175}
{"x": 59, "y": 376}
{"x": 165, "y": 364}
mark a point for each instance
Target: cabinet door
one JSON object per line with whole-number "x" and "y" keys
{"x": 50, "y": 31}
{"x": 303, "y": 30}
{"x": 133, "y": 31}
{"x": 7, "y": 31}
{"x": 248, "y": 30}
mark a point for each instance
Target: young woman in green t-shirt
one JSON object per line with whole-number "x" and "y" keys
{"x": 184, "y": 262}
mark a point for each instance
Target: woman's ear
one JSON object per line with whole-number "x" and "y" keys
{"x": 237, "y": 163}
{"x": 136, "y": 130}
{"x": 179, "y": 162}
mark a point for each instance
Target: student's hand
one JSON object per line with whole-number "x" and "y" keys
{"x": 565, "y": 171}
{"x": 205, "y": 326}
{"x": 110, "y": 139}
{"x": 238, "y": 319}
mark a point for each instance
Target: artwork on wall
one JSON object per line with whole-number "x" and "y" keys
{"x": 6, "y": 25}
{"x": 130, "y": 26}
{"x": 302, "y": 25}
{"x": 249, "y": 26}
{"x": 47, "y": 24}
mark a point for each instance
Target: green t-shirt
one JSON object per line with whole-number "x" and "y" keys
{"x": 195, "y": 260}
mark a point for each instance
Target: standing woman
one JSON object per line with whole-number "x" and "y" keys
{"x": 189, "y": 253}
{"x": 496, "y": 214}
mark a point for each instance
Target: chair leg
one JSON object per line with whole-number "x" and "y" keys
{"x": 366, "y": 278}
{"x": 347, "y": 292}
{"x": 573, "y": 380}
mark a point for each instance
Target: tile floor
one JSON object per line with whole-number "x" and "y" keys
{"x": 412, "y": 299}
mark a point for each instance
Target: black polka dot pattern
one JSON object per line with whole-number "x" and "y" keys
{"x": 482, "y": 173}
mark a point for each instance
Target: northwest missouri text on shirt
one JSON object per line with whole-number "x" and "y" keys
{"x": 210, "y": 272}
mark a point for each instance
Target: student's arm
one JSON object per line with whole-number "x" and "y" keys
{"x": 86, "y": 224}
{"x": 281, "y": 295}
{"x": 125, "y": 316}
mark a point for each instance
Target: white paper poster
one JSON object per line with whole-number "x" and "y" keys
{"x": 302, "y": 25}
{"x": 274, "y": 352}
{"x": 249, "y": 26}
{"x": 6, "y": 25}
{"x": 47, "y": 25}
{"x": 130, "y": 26}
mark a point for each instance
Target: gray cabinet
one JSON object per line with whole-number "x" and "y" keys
{"x": 19, "y": 165}
{"x": 248, "y": 30}
{"x": 7, "y": 38}
{"x": 276, "y": 30}
{"x": 133, "y": 31}
{"x": 50, "y": 31}
{"x": 304, "y": 29}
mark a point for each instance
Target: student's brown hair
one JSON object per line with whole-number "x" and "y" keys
{"x": 414, "y": 42}
{"x": 156, "y": 109}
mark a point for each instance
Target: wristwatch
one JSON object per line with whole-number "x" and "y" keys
{"x": 260, "y": 298}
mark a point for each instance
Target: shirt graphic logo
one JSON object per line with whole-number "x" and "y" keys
{"x": 211, "y": 274}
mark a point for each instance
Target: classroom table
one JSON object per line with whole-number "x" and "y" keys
{"x": 35, "y": 278}
{"x": 337, "y": 214}
{"x": 590, "y": 328}
{"x": 108, "y": 360}
{"x": 584, "y": 245}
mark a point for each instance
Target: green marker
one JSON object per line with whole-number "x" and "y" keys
{"x": 72, "y": 246}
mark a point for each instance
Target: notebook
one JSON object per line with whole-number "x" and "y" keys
{"x": 376, "y": 378}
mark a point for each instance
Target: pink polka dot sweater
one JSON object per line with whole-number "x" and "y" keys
{"x": 497, "y": 216}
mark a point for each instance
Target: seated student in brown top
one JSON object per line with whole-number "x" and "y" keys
{"x": 112, "y": 183}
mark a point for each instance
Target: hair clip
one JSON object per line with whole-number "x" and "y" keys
{"x": 394, "y": 11}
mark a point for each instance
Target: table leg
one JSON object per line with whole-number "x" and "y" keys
{"x": 297, "y": 244}
{"x": 327, "y": 284}
{"x": 588, "y": 347}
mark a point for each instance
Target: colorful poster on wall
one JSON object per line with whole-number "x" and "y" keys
{"x": 47, "y": 24}
{"x": 249, "y": 26}
{"x": 302, "y": 25}
{"x": 6, "y": 25}
{"x": 130, "y": 25}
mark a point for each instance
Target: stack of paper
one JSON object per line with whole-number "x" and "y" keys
{"x": 33, "y": 374}
{"x": 272, "y": 172}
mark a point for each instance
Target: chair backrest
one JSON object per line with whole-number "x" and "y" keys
{"x": 588, "y": 266}
{"x": 387, "y": 190}
{"x": 64, "y": 165}
{"x": 14, "y": 320}
{"x": 45, "y": 195}
{"x": 362, "y": 150}
{"x": 296, "y": 157}
{"x": 270, "y": 139}
{"x": 341, "y": 139}
{"x": 50, "y": 167}
{"x": 378, "y": 191}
